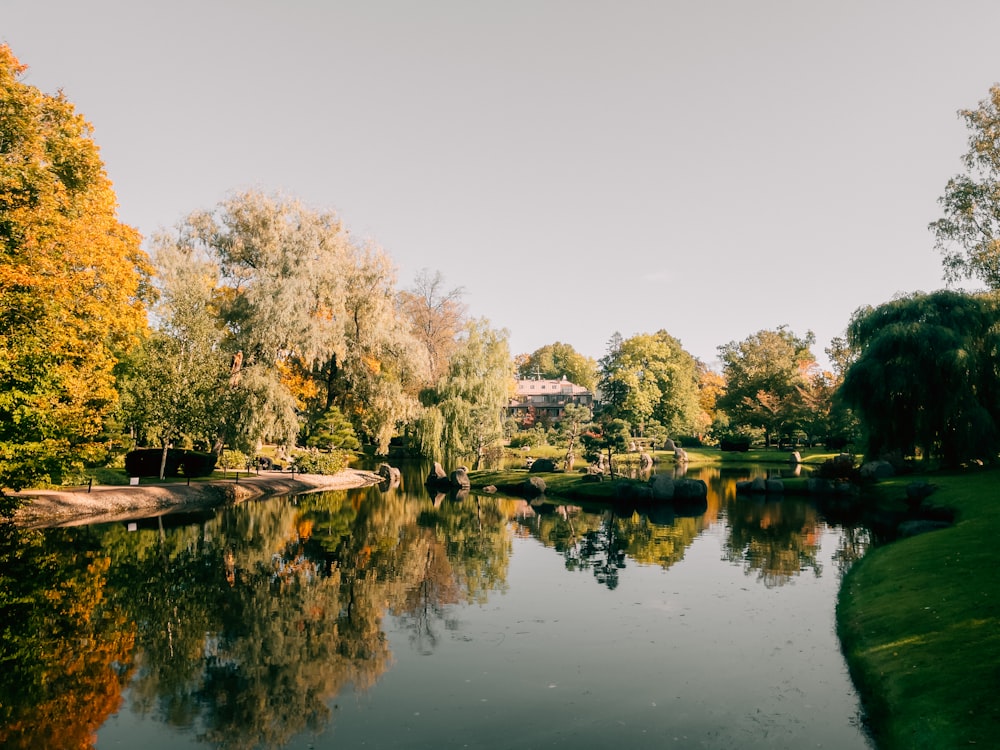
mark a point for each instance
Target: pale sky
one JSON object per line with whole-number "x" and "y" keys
{"x": 579, "y": 167}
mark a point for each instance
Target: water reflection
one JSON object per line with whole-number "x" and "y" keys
{"x": 241, "y": 628}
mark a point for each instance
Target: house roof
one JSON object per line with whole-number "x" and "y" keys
{"x": 530, "y": 387}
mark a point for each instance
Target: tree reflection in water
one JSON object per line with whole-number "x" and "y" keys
{"x": 241, "y": 627}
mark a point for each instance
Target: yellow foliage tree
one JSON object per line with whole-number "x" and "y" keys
{"x": 73, "y": 281}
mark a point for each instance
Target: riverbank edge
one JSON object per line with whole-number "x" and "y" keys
{"x": 919, "y": 624}
{"x": 111, "y": 503}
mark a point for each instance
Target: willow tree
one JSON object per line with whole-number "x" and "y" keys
{"x": 466, "y": 408}
{"x": 279, "y": 295}
{"x": 926, "y": 376}
{"x": 73, "y": 281}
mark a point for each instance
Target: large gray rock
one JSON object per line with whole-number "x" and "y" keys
{"x": 437, "y": 475}
{"x": 460, "y": 478}
{"x": 877, "y": 470}
{"x": 662, "y": 487}
{"x": 389, "y": 474}
{"x": 774, "y": 486}
{"x": 542, "y": 464}
{"x": 690, "y": 489}
{"x": 533, "y": 487}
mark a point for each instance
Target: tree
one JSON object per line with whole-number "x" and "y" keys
{"x": 73, "y": 282}
{"x": 437, "y": 316}
{"x": 556, "y": 361}
{"x": 333, "y": 430}
{"x": 651, "y": 376}
{"x": 178, "y": 382}
{"x": 468, "y": 403}
{"x": 926, "y": 376}
{"x": 763, "y": 375}
{"x": 968, "y": 235}
{"x": 575, "y": 420}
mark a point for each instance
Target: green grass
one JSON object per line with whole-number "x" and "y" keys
{"x": 919, "y": 620}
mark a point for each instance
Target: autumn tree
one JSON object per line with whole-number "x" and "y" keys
{"x": 73, "y": 281}
{"x": 556, "y": 361}
{"x": 437, "y": 316}
{"x": 764, "y": 374}
{"x": 968, "y": 235}
{"x": 651, "y": 376}
{"x": 926, "y": 376}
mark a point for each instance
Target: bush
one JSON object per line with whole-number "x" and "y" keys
{"x": 321, "y": 463}
{"x": 739, "y": 445}
{"x": 197, "y": 464}
{"x": 145, "y": 462}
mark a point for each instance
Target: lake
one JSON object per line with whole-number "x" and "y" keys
{"x": 387, "y": 618}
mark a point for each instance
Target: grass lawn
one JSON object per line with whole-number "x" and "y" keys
{"x": 919, "y": 621}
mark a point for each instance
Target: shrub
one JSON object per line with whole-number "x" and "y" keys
{"x": 321, "y": 463}
{"x": 145, "y": 462}
{"x": 197, "y": 464}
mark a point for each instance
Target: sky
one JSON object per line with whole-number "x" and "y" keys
{"x": 579, "y": 168}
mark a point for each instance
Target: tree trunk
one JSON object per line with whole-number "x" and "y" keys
{"x": 163, "y": 460}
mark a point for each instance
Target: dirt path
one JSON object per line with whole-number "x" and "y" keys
{"x": 45, "y": 508}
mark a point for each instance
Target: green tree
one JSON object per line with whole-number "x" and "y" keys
{"x": 177, "y": 383}
{"x": 968, "y": 235}
{"x": 556, "y": 361}
{"x": 651, "y": 376}
{"x": 333, "y": 430}
{"x": 926, "y": 376}
{"x": 73, "y": 281}
{"x": 764, "y": 376}
{"x": 575, "y": 420}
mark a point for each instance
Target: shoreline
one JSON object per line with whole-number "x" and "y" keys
{"x": 112, "y": 503}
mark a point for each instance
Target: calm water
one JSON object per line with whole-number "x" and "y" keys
{"x": 390, "y": 619}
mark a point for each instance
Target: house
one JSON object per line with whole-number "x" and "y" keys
{"x": 547, "y": 399}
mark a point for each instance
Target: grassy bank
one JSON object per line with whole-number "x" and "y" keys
{"x": 919, "y": 620}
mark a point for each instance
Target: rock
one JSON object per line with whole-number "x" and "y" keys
{"x": 542, "y": 464}
{"x": 758, "y": 484}
{"x": 645, "y": 462}
{"x": 877, "y": 470}
{"x": 917, "y": 492}
{"x": 774, "y": 486}
{"x": 629, "y": 490}
{"x": 459, "y": 478}
{"x": 795, "y": 458}
{"x": 819, "y": 486}
{"x": 744, "y": 487}
{"x": 389, "y": 474}
{"x": 533, "y": 487}
{"x": 690, "y": 489}
{"x": 680, "y": 455}
{"x": 489, "y": 489}
{"x": 662, "y": 487}
{"x": 437, "y": 475}
{"x": 669, "y": 445}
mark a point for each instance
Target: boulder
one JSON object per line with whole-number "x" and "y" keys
{"x": 917, "y": 492}
{"x": 877, "y": 470}
{"x": 680, "y": 455}
{"x": 669, "y": 445}
{"x": 437, "y": 476}
{"x": 459, "y": 478}
{"x": 533, "y": 487}
{"x": 542, "y": 464}
{"x": 758, "y": 484}
{"x": 490, "y": 489}
{"x": 645, "y": 461}
{"x": 662, "y": 487}
{"x": 690, "y": 489}
{"x": 795, "y": 458}
{"x": 774, "y": 486}
{"x": 389, "y": 474}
